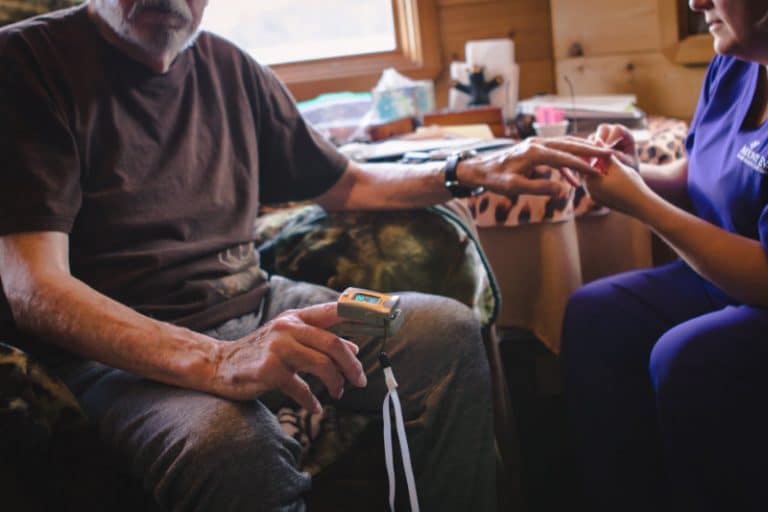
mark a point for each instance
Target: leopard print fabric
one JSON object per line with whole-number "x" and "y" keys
{"x": 667, "y": 142}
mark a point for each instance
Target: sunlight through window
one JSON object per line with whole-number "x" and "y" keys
{"x": 297, "y": 30}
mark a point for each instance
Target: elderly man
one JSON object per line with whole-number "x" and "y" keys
{"x": 135, "y": 154}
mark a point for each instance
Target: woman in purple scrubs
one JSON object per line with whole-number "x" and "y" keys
{"x": 666, "y": 369}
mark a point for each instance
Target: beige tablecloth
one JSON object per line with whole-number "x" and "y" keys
{"x": 538, "y": 266}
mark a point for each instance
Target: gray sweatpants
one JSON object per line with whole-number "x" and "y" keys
{"x": 195, "y": 451}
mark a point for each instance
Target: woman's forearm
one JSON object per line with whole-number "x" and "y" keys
{"x": 736, "y": 264}
{"x": 670, "y": 181}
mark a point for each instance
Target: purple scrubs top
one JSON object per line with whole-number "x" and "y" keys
{"x": 728, "y": 163}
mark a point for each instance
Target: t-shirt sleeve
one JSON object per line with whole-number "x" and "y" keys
{"x": 296, "y": 162}
{"x": 40, "y": 164}
{"x": 704, "y": 99}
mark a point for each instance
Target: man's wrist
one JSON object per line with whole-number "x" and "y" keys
{"x": 455, "y": 175}
{"x": 196, "y": 364}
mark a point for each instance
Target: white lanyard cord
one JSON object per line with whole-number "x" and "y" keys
{"x": 392, "y": 396}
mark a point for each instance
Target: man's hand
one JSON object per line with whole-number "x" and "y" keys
{"x": 273, "y": 357}
{"x": 618, "y": 137}
{"x": 511, "y": 171}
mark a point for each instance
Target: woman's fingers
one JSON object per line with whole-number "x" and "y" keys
{"x": 603, "y": 132}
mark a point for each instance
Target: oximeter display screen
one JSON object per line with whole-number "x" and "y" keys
{"x": 359, "y": 297}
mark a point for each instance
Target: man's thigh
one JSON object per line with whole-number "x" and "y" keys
{"x": 191, "y": 450}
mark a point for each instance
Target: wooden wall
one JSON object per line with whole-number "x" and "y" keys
{"x": 625, "y": 49}
{"x": 528, "y": 22}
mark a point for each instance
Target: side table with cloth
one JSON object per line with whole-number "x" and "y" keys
{"x": 543, "y": 249}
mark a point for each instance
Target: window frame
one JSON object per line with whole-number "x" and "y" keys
{"x": 417, "y": 54}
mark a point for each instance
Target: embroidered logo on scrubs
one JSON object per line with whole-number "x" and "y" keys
{"x": 753, "y": 159}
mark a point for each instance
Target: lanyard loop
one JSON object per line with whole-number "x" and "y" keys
{"x": 393, "y": 398}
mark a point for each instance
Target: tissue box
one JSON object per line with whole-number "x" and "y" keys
{"x": 412, "y": 100}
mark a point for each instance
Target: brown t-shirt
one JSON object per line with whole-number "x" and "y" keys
{"x": 156, "y": 178}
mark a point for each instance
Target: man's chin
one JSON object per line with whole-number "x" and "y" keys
{"x": 162, "y": 40}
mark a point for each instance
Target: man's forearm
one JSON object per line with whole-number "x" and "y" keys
{"x": 387, "y": 187}
{"x": 66, "y": 312}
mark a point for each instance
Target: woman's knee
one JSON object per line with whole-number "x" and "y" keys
{"x": 685, "y": 352}
{"x": 588, "y": 323}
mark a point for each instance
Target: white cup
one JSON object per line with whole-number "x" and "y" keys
{"x": 551, "y": 129}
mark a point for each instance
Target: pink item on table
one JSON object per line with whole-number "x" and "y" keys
{"x": 549, "y": 115}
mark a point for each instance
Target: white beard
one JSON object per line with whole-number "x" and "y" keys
{"x": 160, "y": 40}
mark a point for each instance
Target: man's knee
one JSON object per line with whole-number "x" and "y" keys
{"x": 442, "y": 349}
{"x": 444, "y": 327}
{"x": 230, "y": 456}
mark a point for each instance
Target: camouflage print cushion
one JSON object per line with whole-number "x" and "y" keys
{"x": 17, "y": 10}
{"x": 33, "y": 403}
{"x": 430, "y": 250}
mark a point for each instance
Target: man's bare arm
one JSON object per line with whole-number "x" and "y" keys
{"x": 510, "y": 171}
{"x": 47, "y": 300}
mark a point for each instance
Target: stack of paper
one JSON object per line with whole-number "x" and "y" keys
{"x": 614, "y": 106}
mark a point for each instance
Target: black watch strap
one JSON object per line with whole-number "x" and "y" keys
{"x": 452, "y": 180}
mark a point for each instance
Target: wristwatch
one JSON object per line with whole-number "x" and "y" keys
{"x": 452, "y": 180}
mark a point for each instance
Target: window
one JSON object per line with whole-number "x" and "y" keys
{"x": 297, "y": 30}
{"x": 318, "y": 46}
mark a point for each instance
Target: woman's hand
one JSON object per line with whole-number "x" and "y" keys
{"x": 620, "y": 188}
{"x": 273, "y": 356}
{"x": 620, "y": 138}
{"x": 510, "y": 171}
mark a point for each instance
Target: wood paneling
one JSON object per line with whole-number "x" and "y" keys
{"x": 626, "y": 49}
{"x": 527, "y": 22}
{"x": 661, "y": 86}
{"x": 603, "y": 29}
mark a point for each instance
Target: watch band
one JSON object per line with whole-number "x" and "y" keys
{"x": 452, "y": 180}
